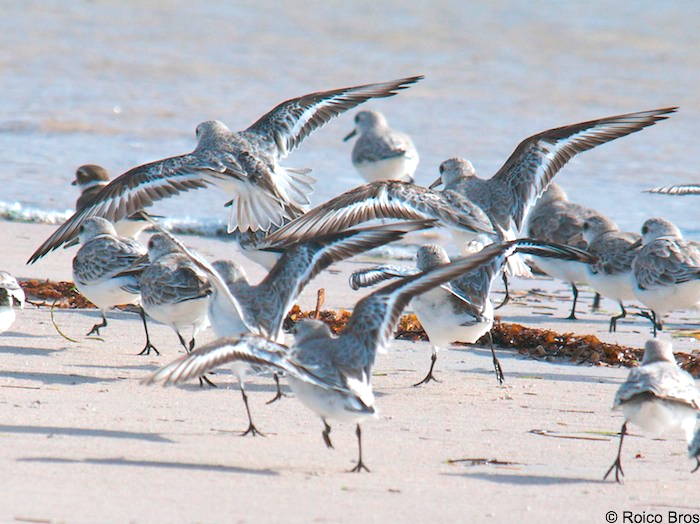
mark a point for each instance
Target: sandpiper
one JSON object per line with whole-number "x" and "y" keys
{"x": 612, "y": 275}
{"x": 106, "y": 270}
{"x": 245, "y": 163}
{"x": 556, "y": 219}
{"x": 381, "y": 153}
{"x": 15, "y": 291}
{"x": 666, "y": 270}
{"x": 657, "y": 396}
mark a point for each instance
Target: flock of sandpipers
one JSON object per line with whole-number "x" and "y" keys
{"x": 521, "y": 218}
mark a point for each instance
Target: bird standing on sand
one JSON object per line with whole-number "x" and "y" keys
{"x": 657, "y": 396}
{"x": 245, "y": 163}
{"x": 106, "y": 271}
{"x": 666, "y": 270}
{"x": 15, "y": 291}
{"x": 556, "y": 219}
{"x": 612, "y": 275}
{"x": 380, "y": 153}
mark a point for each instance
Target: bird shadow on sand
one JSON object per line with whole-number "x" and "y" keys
{"x": 19, "y": 334}
{"x": 120, "y": 461}
{"x": 55, "y": 378}
{"x": 83, "y": 432}
{"x": 19, "y": 350}
{"x": 531, "y": 480}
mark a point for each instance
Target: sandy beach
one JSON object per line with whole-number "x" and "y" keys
{"x": 83, "y": 441}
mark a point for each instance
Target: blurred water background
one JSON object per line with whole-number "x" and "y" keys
{"x": 119, "y": 83}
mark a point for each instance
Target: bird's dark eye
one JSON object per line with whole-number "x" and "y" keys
{"x": 645, "y": 230}
{"x": 357, "y": 119}
{"x": 442, "y": 169}
{"x": 586, "y": 226}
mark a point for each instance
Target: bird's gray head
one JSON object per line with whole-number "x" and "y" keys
{"x": 229, "y": 270}
{"x": 553, "y": 193}
{"x": 430, "y": 256}
{"x": 5, "y": 298}
{"x": 597, "y": 225}
{"x": 452, "y": 170}
{"x": 659, "y": 227}
{"x": 211, "y": 129}
{"x": 309, "y": 329}
{"x": 95, "y": 226}
{"x": 658, "y": 350}
{"x": 160, "y": 245}
{"x": 90, "y": 175}
{"x": 366, "y": 120}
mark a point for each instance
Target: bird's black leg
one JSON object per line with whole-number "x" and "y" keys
{"x": 496, "y": 363}
{"x": 279, "y": 393}
{"x": 574, "y": 290}
{"x": 651, "y": 315}
{"x": 148, "y": 347}
{"x": 96, "y": 328}
{"x": 617, "y": 465}
{"x": 360, "y": 465}
{"x": 189, "y": 348}
{"x": 182, "y": 341}
{"x": 326, "y": 434}
{"x": 506, "y": 299}
{"x": 596, "y": 302}
{"x": 613, "y": 320}
{"x": 429, "y": 376}
{"x": 252, "y": 430}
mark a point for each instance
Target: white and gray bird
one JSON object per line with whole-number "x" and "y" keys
{"x": 666, "y": 270}
{"x": 238, "y": 307}
{"x": 612, "y": 275}
{"x": 505, "y": 198}
{"x": 460, "y": 310}
{"x": 657, "y": 397}
{"x": 381, "y": 153}
{"x": 106, "y": 271}
{"x": 556, "y": 219}
{"x": 174, "y": 291}
{"x": 244, "y": 163}
{"x": 331, "y": 375}
{"x": 90, "y": 179}
{"x": 15, "y": 291}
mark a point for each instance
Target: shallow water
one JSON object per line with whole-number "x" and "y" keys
{"x": 120, "y": 83}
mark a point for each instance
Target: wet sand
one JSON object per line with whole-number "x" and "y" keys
{"x": 83, "y": 441}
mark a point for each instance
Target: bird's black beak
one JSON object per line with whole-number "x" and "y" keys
{"x": 350, "y": 135}
{"x": 435, "y": 184}
{"x": 635, "y": 245}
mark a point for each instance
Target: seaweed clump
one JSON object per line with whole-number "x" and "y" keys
{"x": 59, "y": 294}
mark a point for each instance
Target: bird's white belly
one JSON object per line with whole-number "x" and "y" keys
{"x": 617, "y": 287}
{"x": 395, "y": 168}
{"x": 225, "y": 321}
{"x": 328, "y": 404}
{"x": 266, "y": 259}
{"x": 662, "y": 299}
{"x": 565, "y": 270}
{"x": 107, "y": 293}
{"x": 657, "y": 417}
{"x": 7, "y": 317}
{"x": 443, "y": 325}
{"x": 190, "y": 313}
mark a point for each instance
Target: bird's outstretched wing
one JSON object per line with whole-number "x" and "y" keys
{"x": 679, "y": 189}
{"x": 249, "y": 348}
{"x": 139, "y": 188}
{"x": 385, "y": 199}
{"x": 293, "y": 120}
{"x": 531, "y": 167}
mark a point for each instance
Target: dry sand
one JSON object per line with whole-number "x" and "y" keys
{"x": 83, "y": 441}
